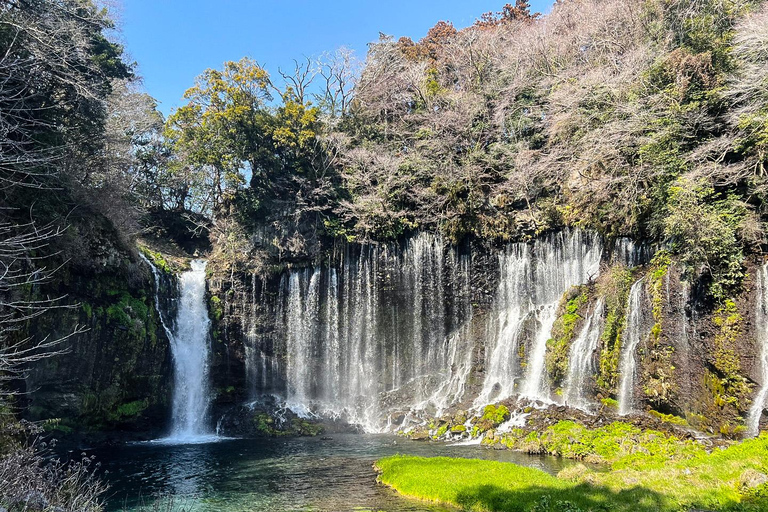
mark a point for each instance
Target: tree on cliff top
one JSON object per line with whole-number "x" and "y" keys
{"x": 520, "y": 11}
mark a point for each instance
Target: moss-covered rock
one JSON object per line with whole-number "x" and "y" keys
{"x": 569, "y": 317}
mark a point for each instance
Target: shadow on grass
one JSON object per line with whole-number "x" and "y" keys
{"x": 546, "y": 499}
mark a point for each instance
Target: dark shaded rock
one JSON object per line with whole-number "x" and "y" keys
{"x": 268, "y": 417}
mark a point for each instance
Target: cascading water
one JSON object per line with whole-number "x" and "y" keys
{"x": 761, "y": 320}
{"x": 581, "y": 361}
{"x": 533, "y": 280}
{"x": 347, "y": 342}
{"x": 633, "y": 334}
{"x": 160, "y": 314}
{"x": 189, "y": 345}
{"x": 391, "y": 330}
{"x": 630, "y": 253}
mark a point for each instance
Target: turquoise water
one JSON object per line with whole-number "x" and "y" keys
{"x": 317, "y": 474}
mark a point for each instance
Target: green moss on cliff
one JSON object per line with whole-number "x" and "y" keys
{"x": 656, "y": 356}
{"x": 614, "y": 286}
{"x": 725, "y": 395}
{"x": 568, "y": 318}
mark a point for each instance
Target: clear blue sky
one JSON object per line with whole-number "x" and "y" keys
{"x": 176, "y": 40}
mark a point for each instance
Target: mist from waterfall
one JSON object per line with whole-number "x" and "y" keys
{"x": 581, "y": 360}
{"x": 761, "y": 322}
{"x": 633, "y": 334}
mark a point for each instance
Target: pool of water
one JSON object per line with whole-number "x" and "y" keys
{"x": 270, "y": 475}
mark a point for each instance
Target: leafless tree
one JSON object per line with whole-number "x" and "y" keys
{"x": 339, "y": 72}
{"x": 304, "y": 73}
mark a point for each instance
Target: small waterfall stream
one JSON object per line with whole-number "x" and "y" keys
{"x": 632, "y": 337}
{"x": 761, "y": 321}
{"x": 581, "y": 361}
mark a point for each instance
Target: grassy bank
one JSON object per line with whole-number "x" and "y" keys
{"x": 619, "y": 444}
{"x": 732, "y": 479}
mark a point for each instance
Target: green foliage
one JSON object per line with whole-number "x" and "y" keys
{"x": 615, "y": 286}
{"x": 563, "y": 331}
{"x": 492, "y": 417}
{"x": 725, "y": 389}
{"x": 496, "y": 415}
{"x": 215, "y": 308}
{"x": 658, "y": 371}
{"x": 689, "y": 479}
{"x": 669, "y": 418}
{"x": 702, "y": 228}
{"x": 128, "y": 312}
{"x": 128, "y": 410}
{"x": 754, "y": 136}
{"x": 157, "y": 259}
{"x": 620, "y": 444}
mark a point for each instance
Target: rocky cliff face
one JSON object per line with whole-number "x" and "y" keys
{"x": 115, "y": 375}
{"x": 385, "y": 336}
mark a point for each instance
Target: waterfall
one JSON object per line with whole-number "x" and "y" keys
{"x": 189, "y": 347}
{"x": 630, "y": 253}
{"x": 761, "y": 321}
{"x": 156, "y": 275}
{"x": 384, "y": 333}
{"x": 381, "y": 332}
{"x": 533, "y": 281}
{"x": 632, "y": 336}
{"x": 581, "y": 361}
{"x": 190, "y": 359}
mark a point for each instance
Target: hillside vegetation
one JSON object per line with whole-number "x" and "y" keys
{"x": 643, "y": 118}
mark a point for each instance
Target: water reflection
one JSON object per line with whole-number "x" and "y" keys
{"x": 273, "y": 475}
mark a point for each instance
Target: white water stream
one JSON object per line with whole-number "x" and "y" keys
{"x": 191, "y": 354}
{"x": 581, "y": 361}
{"x": 633, "y": 334}
{"x": 761, "y": 321}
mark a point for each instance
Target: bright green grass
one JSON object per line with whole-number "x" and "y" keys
{"x": 619, "y": 444}
{"x": 708, "y": 482}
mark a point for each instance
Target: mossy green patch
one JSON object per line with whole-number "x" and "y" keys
{"x": 656, "y": 355}
{"x": 669, "y": 418}
{"x": 127, "y": 410}
{"x": 614, "y": 286}
{"x": 492, "y": 417}
{"x": 725, "y": 390}
{"x": 619, "y": 444}
{"x": 157, "y": 259}
{"x": 563, "y": 331}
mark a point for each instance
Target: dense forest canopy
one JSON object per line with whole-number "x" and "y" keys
{"x": 642, "y": 118}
